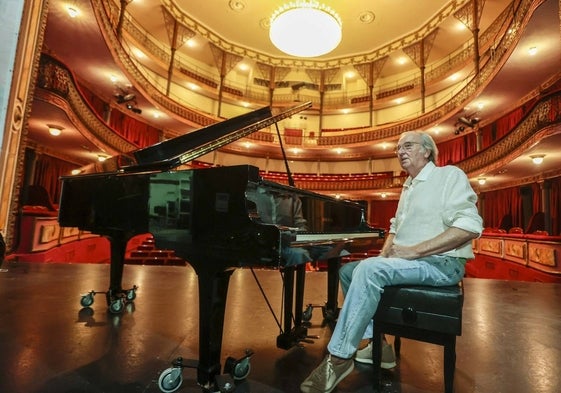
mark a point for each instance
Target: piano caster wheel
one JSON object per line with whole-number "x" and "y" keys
{"x": 170, "y": 379}
{"x": 131, "y": 294}
{"x": 87, "y": 299}
{"x": 117, "y": 306}
{"x": 239, "y": 369}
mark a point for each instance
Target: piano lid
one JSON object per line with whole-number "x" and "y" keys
{"x": 169, "y": 154}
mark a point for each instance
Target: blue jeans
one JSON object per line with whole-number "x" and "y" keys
{"x": 363, "y": 283}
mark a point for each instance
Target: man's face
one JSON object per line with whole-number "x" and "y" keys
{"x": 412, "y": 156}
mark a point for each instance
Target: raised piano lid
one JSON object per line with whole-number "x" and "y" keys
{"x": 166, "y": 155}
{"x": 169, "y": 154}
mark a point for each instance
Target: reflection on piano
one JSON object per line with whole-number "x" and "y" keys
{"x": 204, "y": 215}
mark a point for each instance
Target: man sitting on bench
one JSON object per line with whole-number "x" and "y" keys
{"x": 428, "y": 243}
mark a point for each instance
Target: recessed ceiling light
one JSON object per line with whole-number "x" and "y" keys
{"x": 533, "y": 50}
{"x": 54, "y": 130}
{"x": 73, "y": 11}
{"x": 537, "y": 158}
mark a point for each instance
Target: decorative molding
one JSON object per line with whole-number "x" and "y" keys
{"x": 56, "y": 86}
{"x": 374, "y": 55}
{"x": 546, "y": 256}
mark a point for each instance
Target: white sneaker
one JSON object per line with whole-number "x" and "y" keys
{"x": 364, "y": 355}
{"x": 326, "y": 376}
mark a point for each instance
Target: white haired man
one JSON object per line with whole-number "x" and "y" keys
{"x": 428, "y": 243}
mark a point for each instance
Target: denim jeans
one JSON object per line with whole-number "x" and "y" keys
{"x": 363, "y": 283}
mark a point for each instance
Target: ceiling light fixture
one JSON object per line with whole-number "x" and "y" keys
{"x": 54, "y": 130}
{"x": 537, "y": 158}
{"x": 72, "y": 11}
{"x": 481, "y": 180}
{"x": 305, "y": 28}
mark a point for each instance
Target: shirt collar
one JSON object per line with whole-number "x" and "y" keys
{"x": 422, "y": 176}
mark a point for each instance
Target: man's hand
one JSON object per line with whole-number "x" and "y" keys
{"x": 404, "y": 252}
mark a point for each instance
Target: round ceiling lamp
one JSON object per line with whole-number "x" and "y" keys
{"x": 305, "y": 28}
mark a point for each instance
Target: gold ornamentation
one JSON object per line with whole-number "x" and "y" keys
{"x": 542, "y": 255}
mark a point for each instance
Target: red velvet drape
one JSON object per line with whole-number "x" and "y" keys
{"x": 48, "y": 170}
{"x": 381, "y": 211}
{"x": 137, "y": 132}
{"x": 509, "y": 201}
{"x": 96, "y": 104}
{"x": 555, "y": 206}
{"x": 457, "y": 149}
{"x": 491, "y": 133}
{"x": 500, "y": 203}
{"x": 536, "y": 198}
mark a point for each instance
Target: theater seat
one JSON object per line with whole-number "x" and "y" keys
{"x": 515, "y": 230}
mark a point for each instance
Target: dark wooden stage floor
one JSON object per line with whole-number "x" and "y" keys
{"x": 48, "y": 343}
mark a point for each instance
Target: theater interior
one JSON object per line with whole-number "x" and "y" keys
{"x": 158, "y": 92}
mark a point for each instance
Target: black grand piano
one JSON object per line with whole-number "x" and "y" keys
{"x": 204, "y": 215}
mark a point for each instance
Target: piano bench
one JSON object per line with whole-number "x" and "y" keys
{"x": 422, "y": 313}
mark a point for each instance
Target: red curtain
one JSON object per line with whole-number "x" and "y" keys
{"x": 47, "y": 173}
{"x": 555, "y": 206}
{"x": 536, "y": 198}
{"x": 134, "y": 131}
{"x": 495, "y": 131}
{"x": 381, "y": 211}
{"x": 457, "y": 149}
{"x": 96, "y": 104}
{"x": 500, "y": 203}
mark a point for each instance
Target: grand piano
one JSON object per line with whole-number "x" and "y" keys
{"x": 205, "y": 216}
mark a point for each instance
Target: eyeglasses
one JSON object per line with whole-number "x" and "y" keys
{"x": 407, "y": 146}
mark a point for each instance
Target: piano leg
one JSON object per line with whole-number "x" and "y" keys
{"x": 331, "y": 310}
{"x": 299, "y": 301}
{"x": 213, "y": 290}
{"x": 118, "y": 243}
{"x": 116, "y": 297}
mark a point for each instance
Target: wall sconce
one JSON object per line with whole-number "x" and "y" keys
{"x": 481, "y": 180}
{"x": 537, "y": 158}
{"x": 54, "y": 130}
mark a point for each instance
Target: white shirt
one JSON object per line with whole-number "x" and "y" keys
{"x": 436, "y": 199}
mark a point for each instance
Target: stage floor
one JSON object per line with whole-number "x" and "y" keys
{"x": 48, "y": 343}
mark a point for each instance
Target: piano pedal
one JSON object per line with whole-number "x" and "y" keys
{"x": 293, "y": 338}
{"x": 330, "y": 315}
{"x": 308, "y": 312}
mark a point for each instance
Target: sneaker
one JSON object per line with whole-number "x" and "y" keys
{"x": 364, "y": 355}
{"x": 326, "y": 376}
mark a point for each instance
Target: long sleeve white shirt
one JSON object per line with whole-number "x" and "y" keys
{"x": 436, "y": 199}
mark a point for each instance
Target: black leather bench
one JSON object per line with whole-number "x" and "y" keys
{"x": 428, "y": 314}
